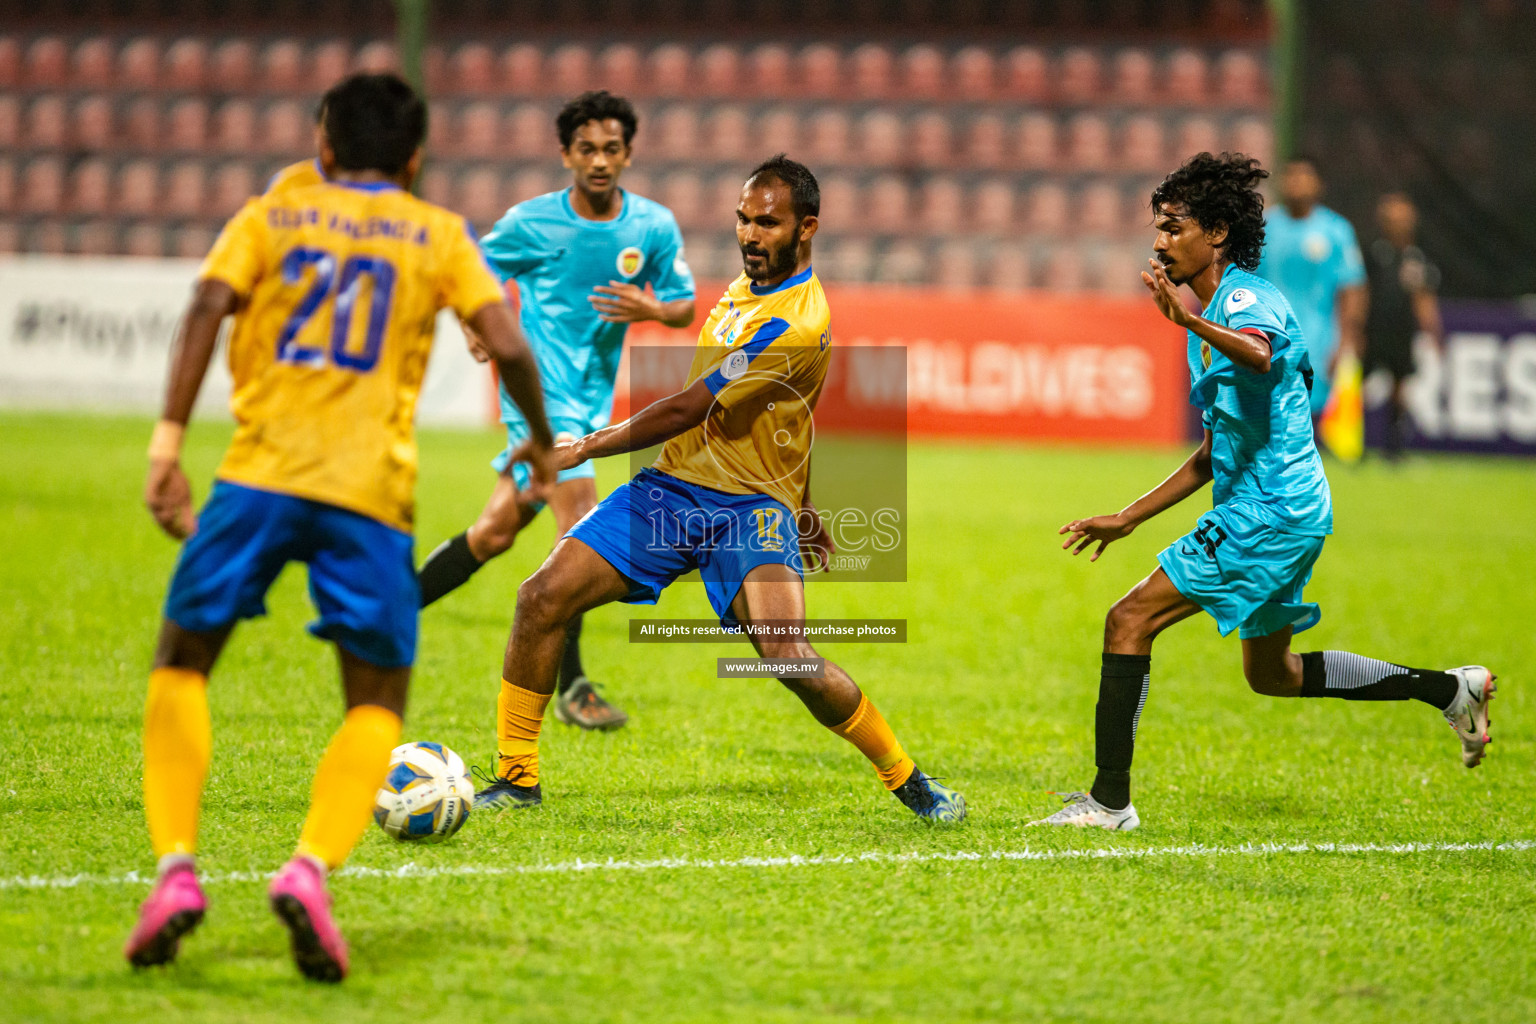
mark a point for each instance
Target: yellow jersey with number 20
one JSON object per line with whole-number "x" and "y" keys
{"x": 340, "y": 285}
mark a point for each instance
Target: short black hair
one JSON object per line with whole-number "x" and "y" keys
{"x": 1221, "y": 191}
{"x": 598, "y": 105}
{"x": 804, "y": 192}
{"x": 1303, "y": 158}
{"x": 374, "y": 122}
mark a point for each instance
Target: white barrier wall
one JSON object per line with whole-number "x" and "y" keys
{"x": 94, "y": 334}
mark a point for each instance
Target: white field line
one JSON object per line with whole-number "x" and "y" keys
{"x": 833, "y": 859}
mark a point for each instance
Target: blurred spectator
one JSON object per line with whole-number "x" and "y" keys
{"x": 1403, "y": 302}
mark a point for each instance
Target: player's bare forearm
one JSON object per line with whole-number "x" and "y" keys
{"x": 1189, "y": 478}
{"x": 678, "y": 313}
{"x": 192, "y": 351}
{"x": 656, "y": 423}
{"x": 503, "y": 340}
{"x": 1426, "y": 311}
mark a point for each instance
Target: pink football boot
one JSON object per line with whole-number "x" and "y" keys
{"x": 175, "y": 906}
{"x": 299, "y": 899}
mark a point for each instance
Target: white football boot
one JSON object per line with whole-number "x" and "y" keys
{"x": 1468, "y": 713}
{"x": 1084, "y": 811}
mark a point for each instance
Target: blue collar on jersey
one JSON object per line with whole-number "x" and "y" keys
{"x": 369, "y": 186}
{"x": 788, "y": 282}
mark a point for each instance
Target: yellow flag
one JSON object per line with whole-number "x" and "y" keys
{"x": 1343, "y": 423}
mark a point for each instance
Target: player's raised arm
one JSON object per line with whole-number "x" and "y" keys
{"x": 166, "y": 491}
{"x": 656, "y": 423}
{"x": 1194, "y": 474}
{"x": 1250, "y": 350}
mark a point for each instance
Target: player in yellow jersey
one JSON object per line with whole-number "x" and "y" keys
{"x": 335, "y": 288}
{"x": 729, "y": 496}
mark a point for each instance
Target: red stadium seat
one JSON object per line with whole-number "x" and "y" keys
{"x": 185, "y": 67}
{"x": 472, "y": 70}
{"x": 955, "y": 267}
{"x": 1047, "y": 210}
{"x": 1133, "y": 78}
{"x": 922, "y": 73}
{"x": 442, "y": 130}
{"x": 671, "y": 69}
{"x": 1037, "y": 142}
{"x": 839, "y": 204}
{"x": 93, "y": 123}
{"x": 47, "y": 63}
{"x": 186, "y": 128}
{"x": 827, "y": 137}
{"x": 1141, "y": 144}
{"x": 10, "y": 121}
{"x": 192, "y": 242}
{"x": 720, "y": 203}
{"x": 1240, "y": 80}
{"x": 880, "y": 139}
{"x": 570, "y": 69}
{"x": 286, "y": 129}
{"x": 821, "y": 71}
{"x": 141, "y": 124}
{"x": 674, "y": 134}
{"x": 1008, "y": 269}
{"x": 1120, "y": 267}
{"x": 941, "y": 206}
{"x": 93, "y": 63}
{"x": 1185, "y": 78}
{"x": 8, "y": 186}
{"x": 48, "y": 237}
{"x": 770, "y": 71}
{"x": 480, "y": 196}
{"x": 234, "y": 127}
{"x": 929, "y": 140}
{"x": 233, "y": 184}
{"x": 436, "y": 186}
{"x": 522, "y": 70}
{"x": 870, "y": 69}
{"x": 138, "y": 64}
{"x": 47, "y": 122}
{"x": 90, "y": 187}
{"x": 992, "y": 210}
{"x": 619, "y": 69}
{"x": 186, "y": 189}
{"x": 636, "y": 180}
{"x": 144, "y": 240}
{"x": 478, "y": 131}
{"x": 529, "y": 183}
{"x": 282, "y": 67}
{"x": 1197, "y": 135}
{"x": 847, "y": 259}
{"x": 1254, "y": 136}
{"x": 683, "y": 194}
{"x": 1078, "y": 82}
{"x": 376, "y": 56}
{"x": 233, "y": 66}
{"x": 901, "y": 262}
{"x": 1088, "y": 143}
{"x": 719, "y": 70}
{"x": 1099, "y": 211}
{"x": 95, "y": 238}
{"x": 434, "y": 69}
{"x": 1026, "y": 75}
{"x": 973, "y": 73}
{"x": 1064, "y": 270}
{"x": 138, "y": 188}
{"x": 986, "y": 142}
{"x": 778, "y": 131}
{"x": 887, "y": 206}
{"x": 531, "y": 132}
{"x": 727, "y": 135}
{"x": 10, "y": 63}
{"x": 329, "y": 64}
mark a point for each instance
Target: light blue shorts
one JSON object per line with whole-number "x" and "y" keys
{"x": 1248, "y": 575}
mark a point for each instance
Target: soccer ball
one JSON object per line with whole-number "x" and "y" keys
{"x": 426, "y": 796}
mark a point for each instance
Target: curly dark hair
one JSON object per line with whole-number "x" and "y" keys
{"x": 1221, "y": 191}
{"x": 599, "y": 105}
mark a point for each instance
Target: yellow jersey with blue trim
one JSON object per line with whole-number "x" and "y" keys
{"x": 303, "y": 174}
{"x": 340, "y": 286}
{"x": 763, "y": 353}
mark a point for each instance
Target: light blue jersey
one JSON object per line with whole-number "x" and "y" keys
{"x": 557, "y": 258}
{"x": 1263, "y": 454}
{"x": 1310, "y": 259}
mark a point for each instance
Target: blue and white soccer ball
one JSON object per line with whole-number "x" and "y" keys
{"x": 426, "y": 796}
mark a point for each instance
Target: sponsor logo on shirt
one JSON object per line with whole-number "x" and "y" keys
{"x": 1240, "y": 299}
{"x": 631, "y": 259}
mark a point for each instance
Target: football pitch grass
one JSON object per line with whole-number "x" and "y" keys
{"x": 724, "y": 858}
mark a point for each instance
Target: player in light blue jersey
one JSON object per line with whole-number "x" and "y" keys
{"x": 1311, "y": 255}
{"x": 1247, "y": 559}
{"x": 589, "y": 260}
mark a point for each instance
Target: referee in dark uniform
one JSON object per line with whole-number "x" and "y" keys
{"x": 1402, "y": 303}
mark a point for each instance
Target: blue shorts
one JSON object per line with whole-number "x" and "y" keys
{"x": 362, "y": 574}
{"x": 1246, "y": 574}
{"x": 656, "y": 528}
{"x": 517, "y": 433}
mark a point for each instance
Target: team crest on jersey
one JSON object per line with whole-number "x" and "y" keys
{"x": 1316, "y": 247}
{"x": 735, "y": 364}
{"x": 631, "y": 259}
{"x": 1240, "y": 299}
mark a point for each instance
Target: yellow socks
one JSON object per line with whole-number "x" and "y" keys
{"x": 348, "y": 779}
{"x": 519, "y": 717}
{"x": 867, "y": 731}
{"x": 178, "y": 742}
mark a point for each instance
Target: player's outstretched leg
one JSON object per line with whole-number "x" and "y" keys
{"x": 455, "y": 560}
{"x": 775, "y": 593}
{"x": 340, "y": 807}
{"x": 578, "y": 701}
{"x": 1125, "y": 677}
{"x": 572, "y": 580}
{"x": 178, "y": 742}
